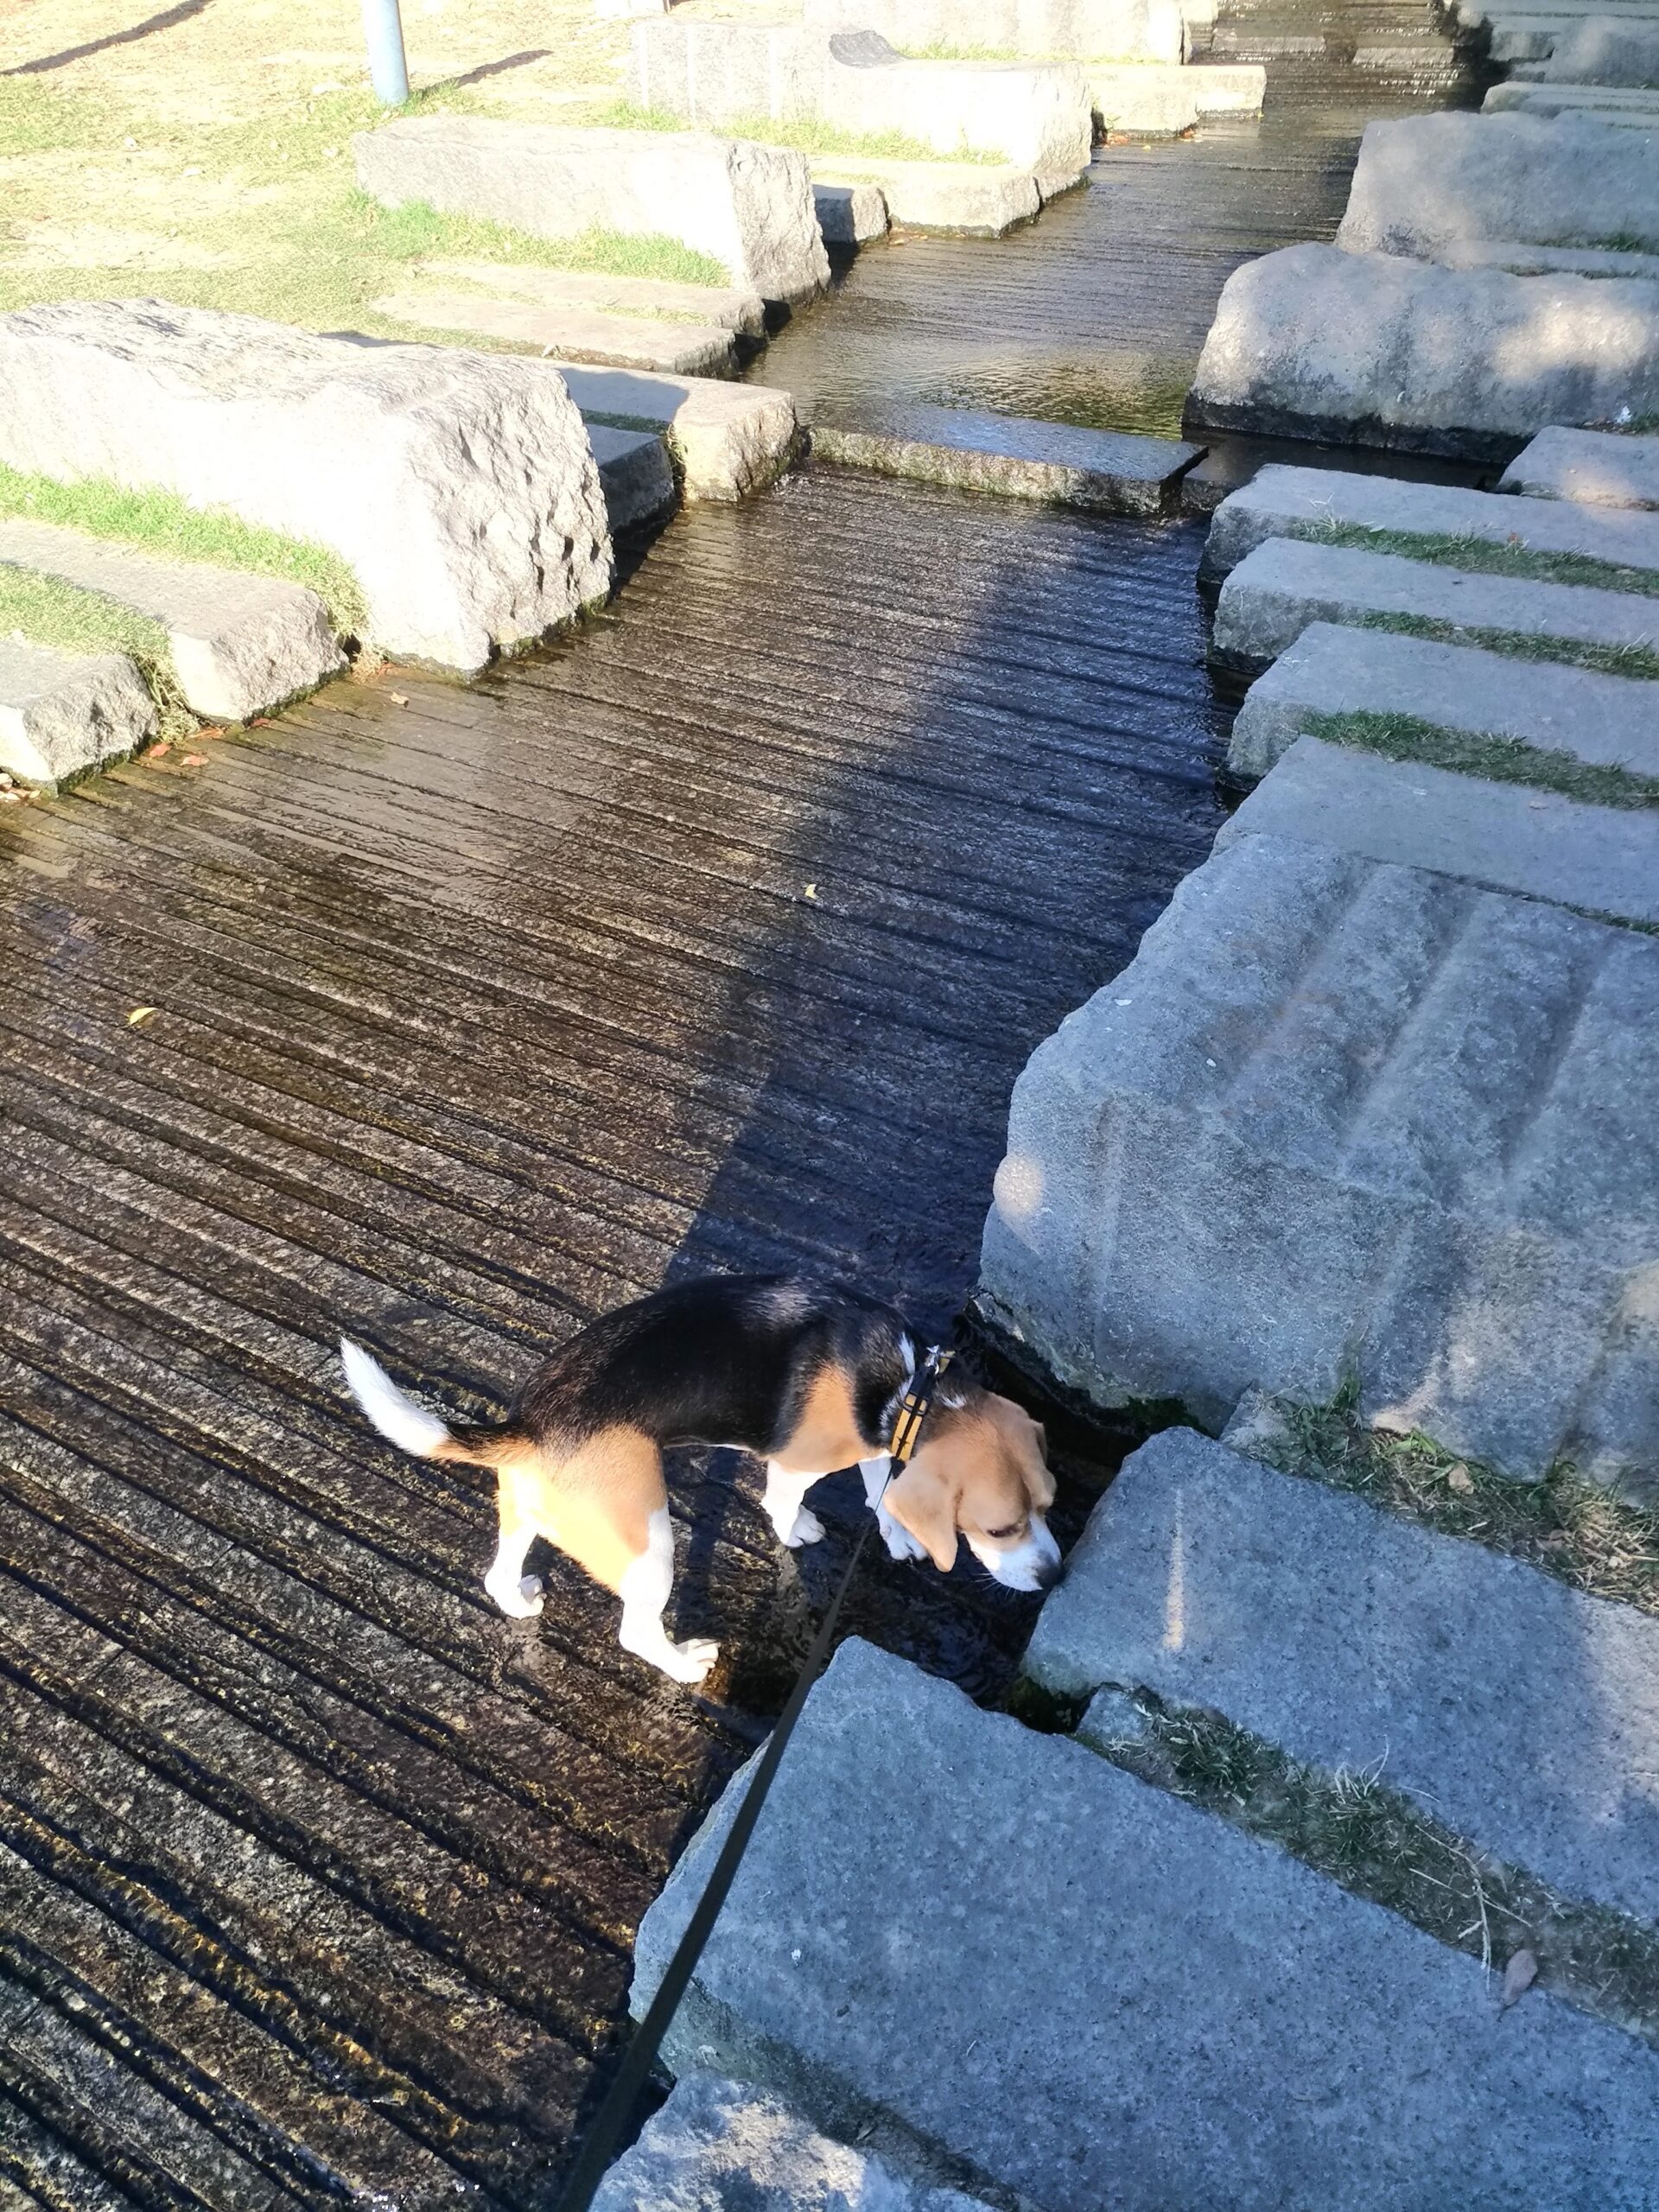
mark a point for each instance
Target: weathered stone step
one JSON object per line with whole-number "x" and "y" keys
{"x": 996, "y": 1946}
{"x": 728, "y": 439}
{"x": 458, "y": 485}
{"x": 1603, "y": 50}
{"x": 1594, "y": 467}
{"x": 749, "y": 207}
{"x": 636, "y": 474}
{"x": 1318, "y": 504}
{"x": 726, "y": 307}
{"x": 1285, "y": 583}
{"x": 1105, "y": 471}
{"x": 1383, "y": 350}
{"x": 1603, "y": 860}
{"x": 1083, "y": 30}
{"x": 61, "y": 714}
{"x": 1159, "y": 98}
{"x": 239, "y": 644}
{"x": 1610, "y": 104}
{"x": 623, "y": 341}
{"x": 1342, "y": 1122}
{"x": 1523, "y": 1714}
{"x": 975, "y": 199}
{"x": 1408, "y": 689}
{"x": 849, "y": 214}
{"x": 719, "y": 2146}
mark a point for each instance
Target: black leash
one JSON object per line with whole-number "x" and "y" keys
{"x": 613, "y": 2116}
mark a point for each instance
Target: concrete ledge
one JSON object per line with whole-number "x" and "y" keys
{"x": 1603, "y": 50}
{"x": 727, "y": 440}
{"x": 1603, "y": 860}
{"x": 1523, "y": 1715}
{"x": 622, "y": 341}
{"x": 1157, "y": 98}
{"x": 1104, "y": 472}
{"x": 636, "y": 472}
{"x": 749, "y": 207}
{"x": 61, "y": 714}
{"x": 971, "y": 198}
{"x": 1583, "y": 102}
{"x": 241, "y": 643}
{"x": 1126, "y": 2026}
{"x": 1595, "y": 467}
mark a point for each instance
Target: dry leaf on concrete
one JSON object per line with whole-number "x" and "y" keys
{"x": 1459, "y": 1479}
{"x": 1518, "y": 1978}
{"x": 139, "y": 1013}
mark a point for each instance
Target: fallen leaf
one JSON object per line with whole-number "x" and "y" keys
{"x": 139, "y": 1013}
{"x": 1459, "y": 1479}
{"x": 192, "y": 761}
{"x": 9, "y": 797}
{"x": 216, "y": 731}
{"x": 160, "y": 750}
{"x": 398, "y": 698}
{"x": 262, "y": 722}
{"x": 811, "y": 890}
{"x": 1518, "y": 1978}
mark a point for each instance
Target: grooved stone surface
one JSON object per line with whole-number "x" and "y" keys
{"x": 1522, "y": 1713}
{"x": 459, "y": 486}
{"x": 240, "y": 643}
{"x": 729, "y": 439}
{"x": 1393, "y": 351}
{"x": 1311, "y": 503}
{"x": 1086, "y": 29}
{"x": 1343, "y": 1120}
{"x": 63, "y": 713}
{"x": 1602, "y": 859}
{"x": 1422, "y": 179}
{"x": 718, "y": 2146}
{"x": 636, "y": 472}
{"x": 978, "y": 198}
{"x": 1106, "y": 471}
{"x": 624, "y": 341}
{"x": 1285, "y": 583}
{"x": 954, "y": 1930}
{"x": 1331, "y": 669}
{"x": 1594, "y": 467}
{"x": 748, "y": 206}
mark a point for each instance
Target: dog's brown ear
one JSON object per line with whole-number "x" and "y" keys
{"x": 919, "y": 1501}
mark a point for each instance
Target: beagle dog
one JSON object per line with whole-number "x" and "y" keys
{"x": 811, "y": 1379}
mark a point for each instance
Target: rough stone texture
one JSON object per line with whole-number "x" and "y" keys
{"x": 1605, "y": 104}
{"x": 1421, "y": 180}
{"x": 1522, "y": 1713}
{"x": 241, "y": 643}
{"x": 1603, "y": 51}
{"x": 1160, "y": 98}
{"x": 717, "y": 2146}
{"x": 748, "y": 206}
{"x": 1309, "y": 503}
{"x": 1086, "y": 30}
{"x": 728, "y": 440}
{"x": 1106, "y": 471}
{"x": 1603, "y": 860}
{"x": 1314, "y": 342}
{"x": 1595, "y": 467}
{"x": 731, "y": 308}
{"x": 1276, "y": 592}
{"x": 621, "y": 341}
{"x": 975, "y": 197}
{"x": 1522, "y": 259}
{"x": 61, "y": 714}
{"x": 1606, "y": 720}
{"x": 1339, "y": 1120}
{"x": 636, "y": 472}
{"x": 459, "y": 486}
{"x": 720, "y": 74}
{"x": 849, "y": 214}
{"x": 993, "y": 1943}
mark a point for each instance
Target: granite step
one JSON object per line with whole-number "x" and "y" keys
{"x": 970, "y": 199}
{"x": 995, "y": 1954}
{"x": 1519, "y": 1711}
{"x": 1598, "y": 468}
{"x": 727, "y": 440}
{"x": 241, "y": 643}
{"x": 635, "y": 474}
{"x": 61, "y": 714}
{"x": 724, "y": 306}
{"x": 576, "y": 333}
{"x": 1610, "y": 103}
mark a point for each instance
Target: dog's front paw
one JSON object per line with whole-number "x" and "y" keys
{"x": 690, "y": 1661}
{"x": 808, "y": 1530}
{"x": 897, "y": 1539}
{"x": 519, "y": 1600}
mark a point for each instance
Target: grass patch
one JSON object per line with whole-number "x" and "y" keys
{"x": 1379, "y": 1844}
{"x": 805, "y": 134}
{"x": 37, "y": 117}
{"x": 417, "y": 231}
{"x": 1638, "y": 661}
{"x": 161, "y": 523}
{"x": 1624, "y": 242}
{"x": 943, "y": 50}
{"x": 1484, "y": 752}
{"x": 1488, "y": 557}
{"x": 47, "y": 613}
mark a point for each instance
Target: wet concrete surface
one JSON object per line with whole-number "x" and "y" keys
{"x": 713, "y": 937}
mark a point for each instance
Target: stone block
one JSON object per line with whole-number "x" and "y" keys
{"x": 974, "y": 198}
{"x": 1601, "y": 50}
{"x": 1276, "y": 591}
{"x": 733, "y": 306}
{"x": 1602, "y": 859}
{"x": 749, "y": 207}
{"x": 1082, "y": 30}
{"x": 1610, "y": 104}
{"x": 636, "y": 472}
{"x": 1596, "y": 467}
{"x": 717, "y": 2146}
{"x": 1522, "y": 259}
{"x": 61, "y": 714}
{"x": 621, "y": 341}
{"x": 999, "y": 1952}
{"x": 1341, "y": 1122}
{"x": 1313, "y": 503}
{"x": 241, "y": 643}
{"x": 1373, "y": 348}
{"x": 1604, "y": 721}
{"x": 851, "y": 214}
{"x": 1522, "y": 1714}
{"x": 1160, "y": 98}
{"x": 1422, "y": 180}
{"x": 727, "y": 440}
{"x": 459, "y": 486}
{"x": 1105, "y": 471}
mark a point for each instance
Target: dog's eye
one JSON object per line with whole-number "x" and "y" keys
{"x": 1012, "y": 1529}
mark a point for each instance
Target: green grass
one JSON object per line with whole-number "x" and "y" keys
{"x": 1639, "y": 661}
{"x": 943, "y": 50}
{"x": 415, "y": 232}
{"x": 1482, "y": 752}
{"x": 1489, "y": 557}
{"x": 805, "y": 134}
{"x": 37, "y": 117}
{"x": 47, "y": 613}
{"x": 161, "y": 523}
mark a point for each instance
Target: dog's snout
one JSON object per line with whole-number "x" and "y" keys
{"x": 1049, "y": 1572}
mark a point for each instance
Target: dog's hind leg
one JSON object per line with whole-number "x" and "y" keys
{"x": 783, "y": 1500}
{"x": 518, "y": 1594}
{"x": 645, "y": 1588}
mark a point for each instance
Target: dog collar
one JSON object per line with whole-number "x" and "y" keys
{"x": 914, "y": 1408}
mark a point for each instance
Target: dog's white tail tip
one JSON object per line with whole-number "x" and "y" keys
{"x": 392, "y": 1411}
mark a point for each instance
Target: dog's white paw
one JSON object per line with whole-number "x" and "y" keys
{"x": 690, "y": 1662}
{"x": 808, "y": 1530}
{"x": 897, "y": 1539}
{"x": 521, "y": 1600}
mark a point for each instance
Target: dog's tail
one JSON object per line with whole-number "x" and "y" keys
{"x": 406, "y": 1423}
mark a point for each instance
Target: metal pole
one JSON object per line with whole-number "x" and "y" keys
{"x": 383, "y": 29}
